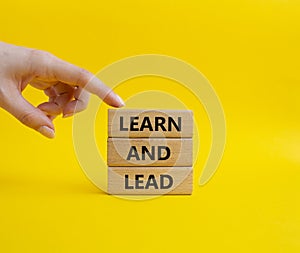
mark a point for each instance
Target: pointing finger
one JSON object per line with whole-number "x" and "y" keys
{"x": 75, "y": 76}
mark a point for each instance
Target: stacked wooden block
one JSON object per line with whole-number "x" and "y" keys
{"x": 150, "y": 152}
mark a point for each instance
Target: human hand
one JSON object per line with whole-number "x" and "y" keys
{"x": 64, "y": 84}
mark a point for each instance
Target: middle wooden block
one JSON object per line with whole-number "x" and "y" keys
{"x": 149, "y": 152}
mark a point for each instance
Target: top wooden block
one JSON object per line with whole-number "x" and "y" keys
{"x": 150, "y": 123}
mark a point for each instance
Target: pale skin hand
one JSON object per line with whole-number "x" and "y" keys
{"x": 64, "y": 84}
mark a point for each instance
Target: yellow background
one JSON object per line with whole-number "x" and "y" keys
{"x": 249, "y": 50}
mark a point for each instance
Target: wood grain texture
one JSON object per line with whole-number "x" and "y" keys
{"x": 150, "y": 123}
{"x": 150, "y": 180}
{"x": 129, "y": 152}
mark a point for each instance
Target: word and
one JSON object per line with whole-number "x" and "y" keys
{"x": 163, "y": 153}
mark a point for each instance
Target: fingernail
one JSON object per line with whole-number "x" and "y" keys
{"x": 47, "y": 131}
{"x": 68, "y": 115}
{"x": 120, "y": 101}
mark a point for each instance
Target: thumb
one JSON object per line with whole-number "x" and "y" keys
{"x": 15, "y": 103}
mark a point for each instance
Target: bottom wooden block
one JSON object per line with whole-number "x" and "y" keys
{"x": 150, "y": 180}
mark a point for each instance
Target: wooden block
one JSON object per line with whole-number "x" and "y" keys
{"x": 150, "y": 123}
{"x": 150, "y": 180}
{"x": 149, "y": 152}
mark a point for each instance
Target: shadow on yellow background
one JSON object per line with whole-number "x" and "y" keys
{"x": 249, "y": 50}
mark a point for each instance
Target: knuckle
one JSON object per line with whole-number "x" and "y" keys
{"x": 40, "y": 53}
{"x": 27, "y": 118}
{"x": 40, "y": 56}
{"x": 34, "y": 53}
{"x": 80, "y": 106}
{"x": 83, "y": 77}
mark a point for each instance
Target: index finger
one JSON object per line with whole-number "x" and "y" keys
{"x": 73, "y": 75}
